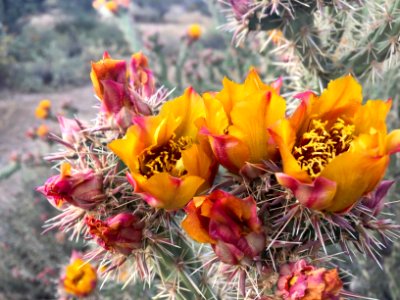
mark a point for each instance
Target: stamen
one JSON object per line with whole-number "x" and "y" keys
{"x": 165, "y": 158}
{"x": 318, "y": 146}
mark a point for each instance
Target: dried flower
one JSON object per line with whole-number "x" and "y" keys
{"x": 122, "y": 233}
{"x": 80, "y": 278}
{"x": 301, "y": 281}
{"x": 81, "y": 188}
{"x": 70, "y": 129}
{"x": 141, "y": 77}
{"x": 330, "y": 141}
{"x": 237, "y": 119}
{"x": 228, "y": 223}
{"x": 168, "y": 164}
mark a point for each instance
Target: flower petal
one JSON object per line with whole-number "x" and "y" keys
{"x": 251, "y": 120}
{"x": 185, "y": 109}
{"x": 342, "y": 98}
{"x": 193, "y": 225}
{"x": 393, "y": 142}
{"x": 372, "y": 115}
{"x": 284, "y": 136}
{"x": 317, "y": 195}
{"x": 165, "y": 191}
{"x": 346, "y": 170}
{"x": 230, "y": 152}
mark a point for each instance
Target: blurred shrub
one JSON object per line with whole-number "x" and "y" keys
{"x": 58, "y": 55}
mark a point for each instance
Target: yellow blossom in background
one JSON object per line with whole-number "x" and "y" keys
{"x": 80, "y": 278}
{"x": 194, "y": 31}
{"x": 334, "y": 149}
{"x": 42, "y": 110}
{"x": 42, "y": 131}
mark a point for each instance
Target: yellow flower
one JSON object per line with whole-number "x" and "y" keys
{"x": 42, "y": 110}
{"x": 42, "y": 131}
{"x": 168, "y": 163}
{"x": 194, "y": 31}
{"x": 237, "y": 119}
{"x": 80, "y": 278}
{"x": 334, "y": 149}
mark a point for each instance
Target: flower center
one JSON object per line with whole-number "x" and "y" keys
{"x": 318, "y": 146}
{"x": 166, "y": 158}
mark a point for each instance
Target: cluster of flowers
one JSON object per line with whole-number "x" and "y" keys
{"x": 268, "y": 191}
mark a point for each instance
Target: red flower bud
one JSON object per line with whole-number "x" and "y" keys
{"x": 83, "y": 189}
{"x": 122, "y": 233}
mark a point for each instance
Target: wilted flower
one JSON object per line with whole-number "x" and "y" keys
{"x": 80, "y": 278}
{"x": 240, "y": 8}
{"x": 194, "y": 32}
{"x": 42, "y": 111}
{"x": 122, "y": 233}
{"x": 333, "y": 148}
{"x": 237, "y": 119}
{"x": 141, "y": 77}
{"x": 168, "y": 164}
{"x": 70, "y": 129}
{"x": 81, "y": 188}
{"x": 301, "y": 281}
{"x": 228, "y": 223}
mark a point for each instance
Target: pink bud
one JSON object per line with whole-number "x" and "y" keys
{"x": 81, "y": 188}
{"x": 70, "y": 129}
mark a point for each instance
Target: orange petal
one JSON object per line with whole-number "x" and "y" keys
{"x": 317, "y": 195}
{"x": 193, "y": 227}
{"x": 185, "y": 109}
{"x": 230, "y": 152}
{"x": 372, "y": 115}
{"x": 217, "y": 120}
{"x": 342, "y": 98}
{"x": 165, "y": 191}
{"x": 251, "y": 120}
{"x": 198, "y": 163}
{"x": 285, "y": 137}
{"x": 393, "y": 142}
{"x": 355, "y": 175}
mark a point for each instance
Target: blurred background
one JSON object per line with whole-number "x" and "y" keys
{"x": 46, "y": 47}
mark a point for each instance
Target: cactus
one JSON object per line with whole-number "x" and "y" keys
{"x": 330, "y": 38}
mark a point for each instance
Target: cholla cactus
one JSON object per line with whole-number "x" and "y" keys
{"x": 328, "y": 38}
{"x": 224, "y": 196}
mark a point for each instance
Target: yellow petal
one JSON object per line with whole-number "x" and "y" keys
{"x": 355, "y": 175}
{"x": 198, "y": 163}
{"x": 251, "y": 120}
{"x": 185, "y": 109}
{"x": 165, "y": 191}
{"x": 372, "y": 115}
{"x": 217, "y": 121}
{"x": 285, "y": 137}
{"x": 342, "y": 98}
{"x": 393, "y": 142}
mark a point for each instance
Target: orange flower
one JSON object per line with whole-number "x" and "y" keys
{"x": 42, "y": 111}
{"x": 107, "y": 69}
{"x": 334, "y": 149}
{"x": 194, "y": 31}
{"x": 228, "y": 223}
{"x": 80, "y": 278}
{"x": 168, "y": 164}
{"x": 42, "y": 131}
{"x": 237, "y": 119}
{"x": 301, "y": 281}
